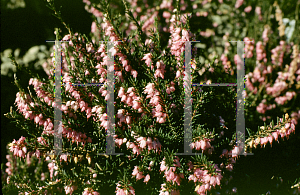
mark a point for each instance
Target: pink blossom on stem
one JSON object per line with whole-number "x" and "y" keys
{"x": 147, "y": 59}
{"x": 147, "y": 178}
{"x": 238, "y": 3}
{"x": 258, "y": 12}
{"x": 70, "y": 189}
{"x": 248, "y": 9}
{"x": 19, "y": 147}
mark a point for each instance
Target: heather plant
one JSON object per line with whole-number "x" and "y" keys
{"x": 149, "y": 103}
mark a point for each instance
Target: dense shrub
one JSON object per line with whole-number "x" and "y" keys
{"x": 149, "y": 100}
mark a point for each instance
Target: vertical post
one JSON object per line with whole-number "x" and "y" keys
{"x": 110, "y": 104}
{"x": 187, "y": 100}
{"x": 110, "y": 139}
{"x": 57, "y": 95}
{"x": 187, "y": 83}
{"x": 240, "y": 118}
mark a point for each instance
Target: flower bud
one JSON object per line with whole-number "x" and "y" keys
{"x": 24, "y": 149}
{"x": 283, "y": 130}
{"x": 75, "y": 159}
{"x": 286, "y": 116}
{"x": 257, "y": 141}
{"x": 88, "y": 158}
{"x": 251, "y": 143}
{"x": 68, "y": 103}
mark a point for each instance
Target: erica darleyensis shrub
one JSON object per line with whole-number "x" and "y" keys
{"x": 149, "y": 107}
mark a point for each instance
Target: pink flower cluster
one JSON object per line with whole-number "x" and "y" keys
{"x": 177, "y": 42}
{"x": 231, "y": 158}
{"x": 83, "y": 106}
{"x": 235, "y": 151}
{"x": 165, "y": 191}
{"x": 169, "y": 172}
{"x": 207, "y": 33}
{"x": 109, "y": 31}
{"x": 70, "y": 189}
{"x": 42, "y": 141}
{"x": 104, "y": 121}
{"x": 92, "y": 10}
{"x": 278, "y": 53}
{"x": 295, "y": 117}
{"x": 203, "y": 144}
{"x": 23, "y": 107}
{"x": 257, "y": 76}
{"x": 155, "y": 100}
{"x": 19, "y": 147}
{"x": 260, "y": 52}
{"x": 126, "y": 190}
{"x": 249, "y": 84}
{"x": 123, "y": 117}
{"x": 135, "y": 148}
{"x": 249, "y": 47}
{"x": 76, "y": 136}
{"x": 205, "y": 14}
{"x": 238, "y": 3}
{"x": 90, "y": 191}
{"x": 183, "y": 5}
{"x": 205, "y": 179}
{"x": 127, "y": 67}
{"x": 262, "y": 107}
{"x": 48, "y": 125}
{"x": 52, "y": 166}
{"x": 171, "y": 88}
{"x": 277, "y": 88}
{"x": 143, "y": 143}
{"x": 166, "y": 4}
{"x": 131, "y": 99}
{"x": 149, "y": 22}
{"x": 10, "y": 165}
{"x": 100, "y": 66}
{"x": 160, "y": 71}
{"x": 167, "y": 16}
{"x": 138, "y": 174}
{"x": 148, "y": 60}
{"x": 282, "y": 99}
{"x": 225, "y": 62}
{"x": 248, "y": 9}
{"x": 41, "y": 93}
{"x": 285, "y": 131}
{"x": 265, "y": 34}
{"x": 258, "y": 12}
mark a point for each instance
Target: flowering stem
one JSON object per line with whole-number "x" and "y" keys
{"x": 166, "y": 108}
{"x": 58, "y": 15}
{"x": 141, "y": 33}
{"x": 116, "y": 29}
